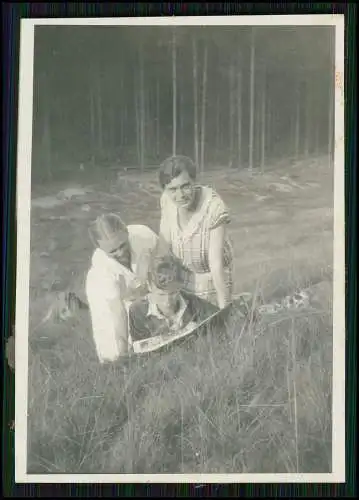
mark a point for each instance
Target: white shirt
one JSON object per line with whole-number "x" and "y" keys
{"x": 106, "y": 284}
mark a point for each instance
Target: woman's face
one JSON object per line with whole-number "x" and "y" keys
{"x": 122, "y": 254}
{"x": 181, "y": 190}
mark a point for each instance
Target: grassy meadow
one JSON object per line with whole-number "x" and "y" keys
{"x": 258, "y": 402}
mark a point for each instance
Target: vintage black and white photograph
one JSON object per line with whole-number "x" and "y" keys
{"x": 180, "y": 262}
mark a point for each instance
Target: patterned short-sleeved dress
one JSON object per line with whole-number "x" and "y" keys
{"x": 191, "y": 244}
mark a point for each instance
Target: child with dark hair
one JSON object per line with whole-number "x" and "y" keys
{"x": 166, "y": 308}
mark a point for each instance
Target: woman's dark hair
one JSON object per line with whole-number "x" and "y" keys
{"x": 173, "y": 166}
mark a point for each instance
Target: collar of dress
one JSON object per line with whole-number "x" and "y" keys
{"x": 197, "y": 217}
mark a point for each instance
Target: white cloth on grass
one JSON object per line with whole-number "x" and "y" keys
{"x": 106, "y": 283}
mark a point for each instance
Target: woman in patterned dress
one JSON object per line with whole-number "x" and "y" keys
{"x": 193, "y": 223}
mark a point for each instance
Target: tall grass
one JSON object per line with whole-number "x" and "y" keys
{"x": 257, "y": 400}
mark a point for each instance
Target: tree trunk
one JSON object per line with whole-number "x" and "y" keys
{"x": 268, "y": 121}
{"x": 195, "y": 102}
{"x": 231, "y": 113}
{"x": 317, "y": 140}
{"x": 257, "y": 122}
{"x": 239, "y": 116}
{"x": 137, "y": 119}
{"x": 174, "y": 93}
{"x": 251, "y": 100}
{"x": 122, "y": 117}
{"x": 92, "y": 120}
{"x": 297, "y": 121}
{"x": 125, "y": 116}
{"x": 149, "y": 132}
{"x": 158, "y": 118}
{"x": 204, "y": 91}
{"x": 182, "y": 113}
{"x": 113, "y": 129}
{"x": 218, "y": 128}
{"x": 99, "y": 104}
{"x": 142, "y": 111}
{"x": 307, "y": 121}
{"x": 268, "y": 116}
{"x": 263, "y": 120}
{"x": 47, "y": 146}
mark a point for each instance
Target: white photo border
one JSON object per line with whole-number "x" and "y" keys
{"x": 23, "y": 253}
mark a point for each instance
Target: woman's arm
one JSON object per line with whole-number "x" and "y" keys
{"x": 215, "y": 255}
{"x": 108, "y": 317}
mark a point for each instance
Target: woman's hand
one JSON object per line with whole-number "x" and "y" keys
{"x": 216, "y": 245}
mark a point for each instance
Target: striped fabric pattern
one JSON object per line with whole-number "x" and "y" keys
{"x": 191, "y": 244}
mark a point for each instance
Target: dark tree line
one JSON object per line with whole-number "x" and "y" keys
{"x": 236, "y": 96}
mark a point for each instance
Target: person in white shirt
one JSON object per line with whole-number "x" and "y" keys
{"x": 117, "y": 277}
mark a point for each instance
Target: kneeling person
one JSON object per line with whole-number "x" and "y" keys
{"x": 115, "y": 279}
{"x": 166, "y": 308}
